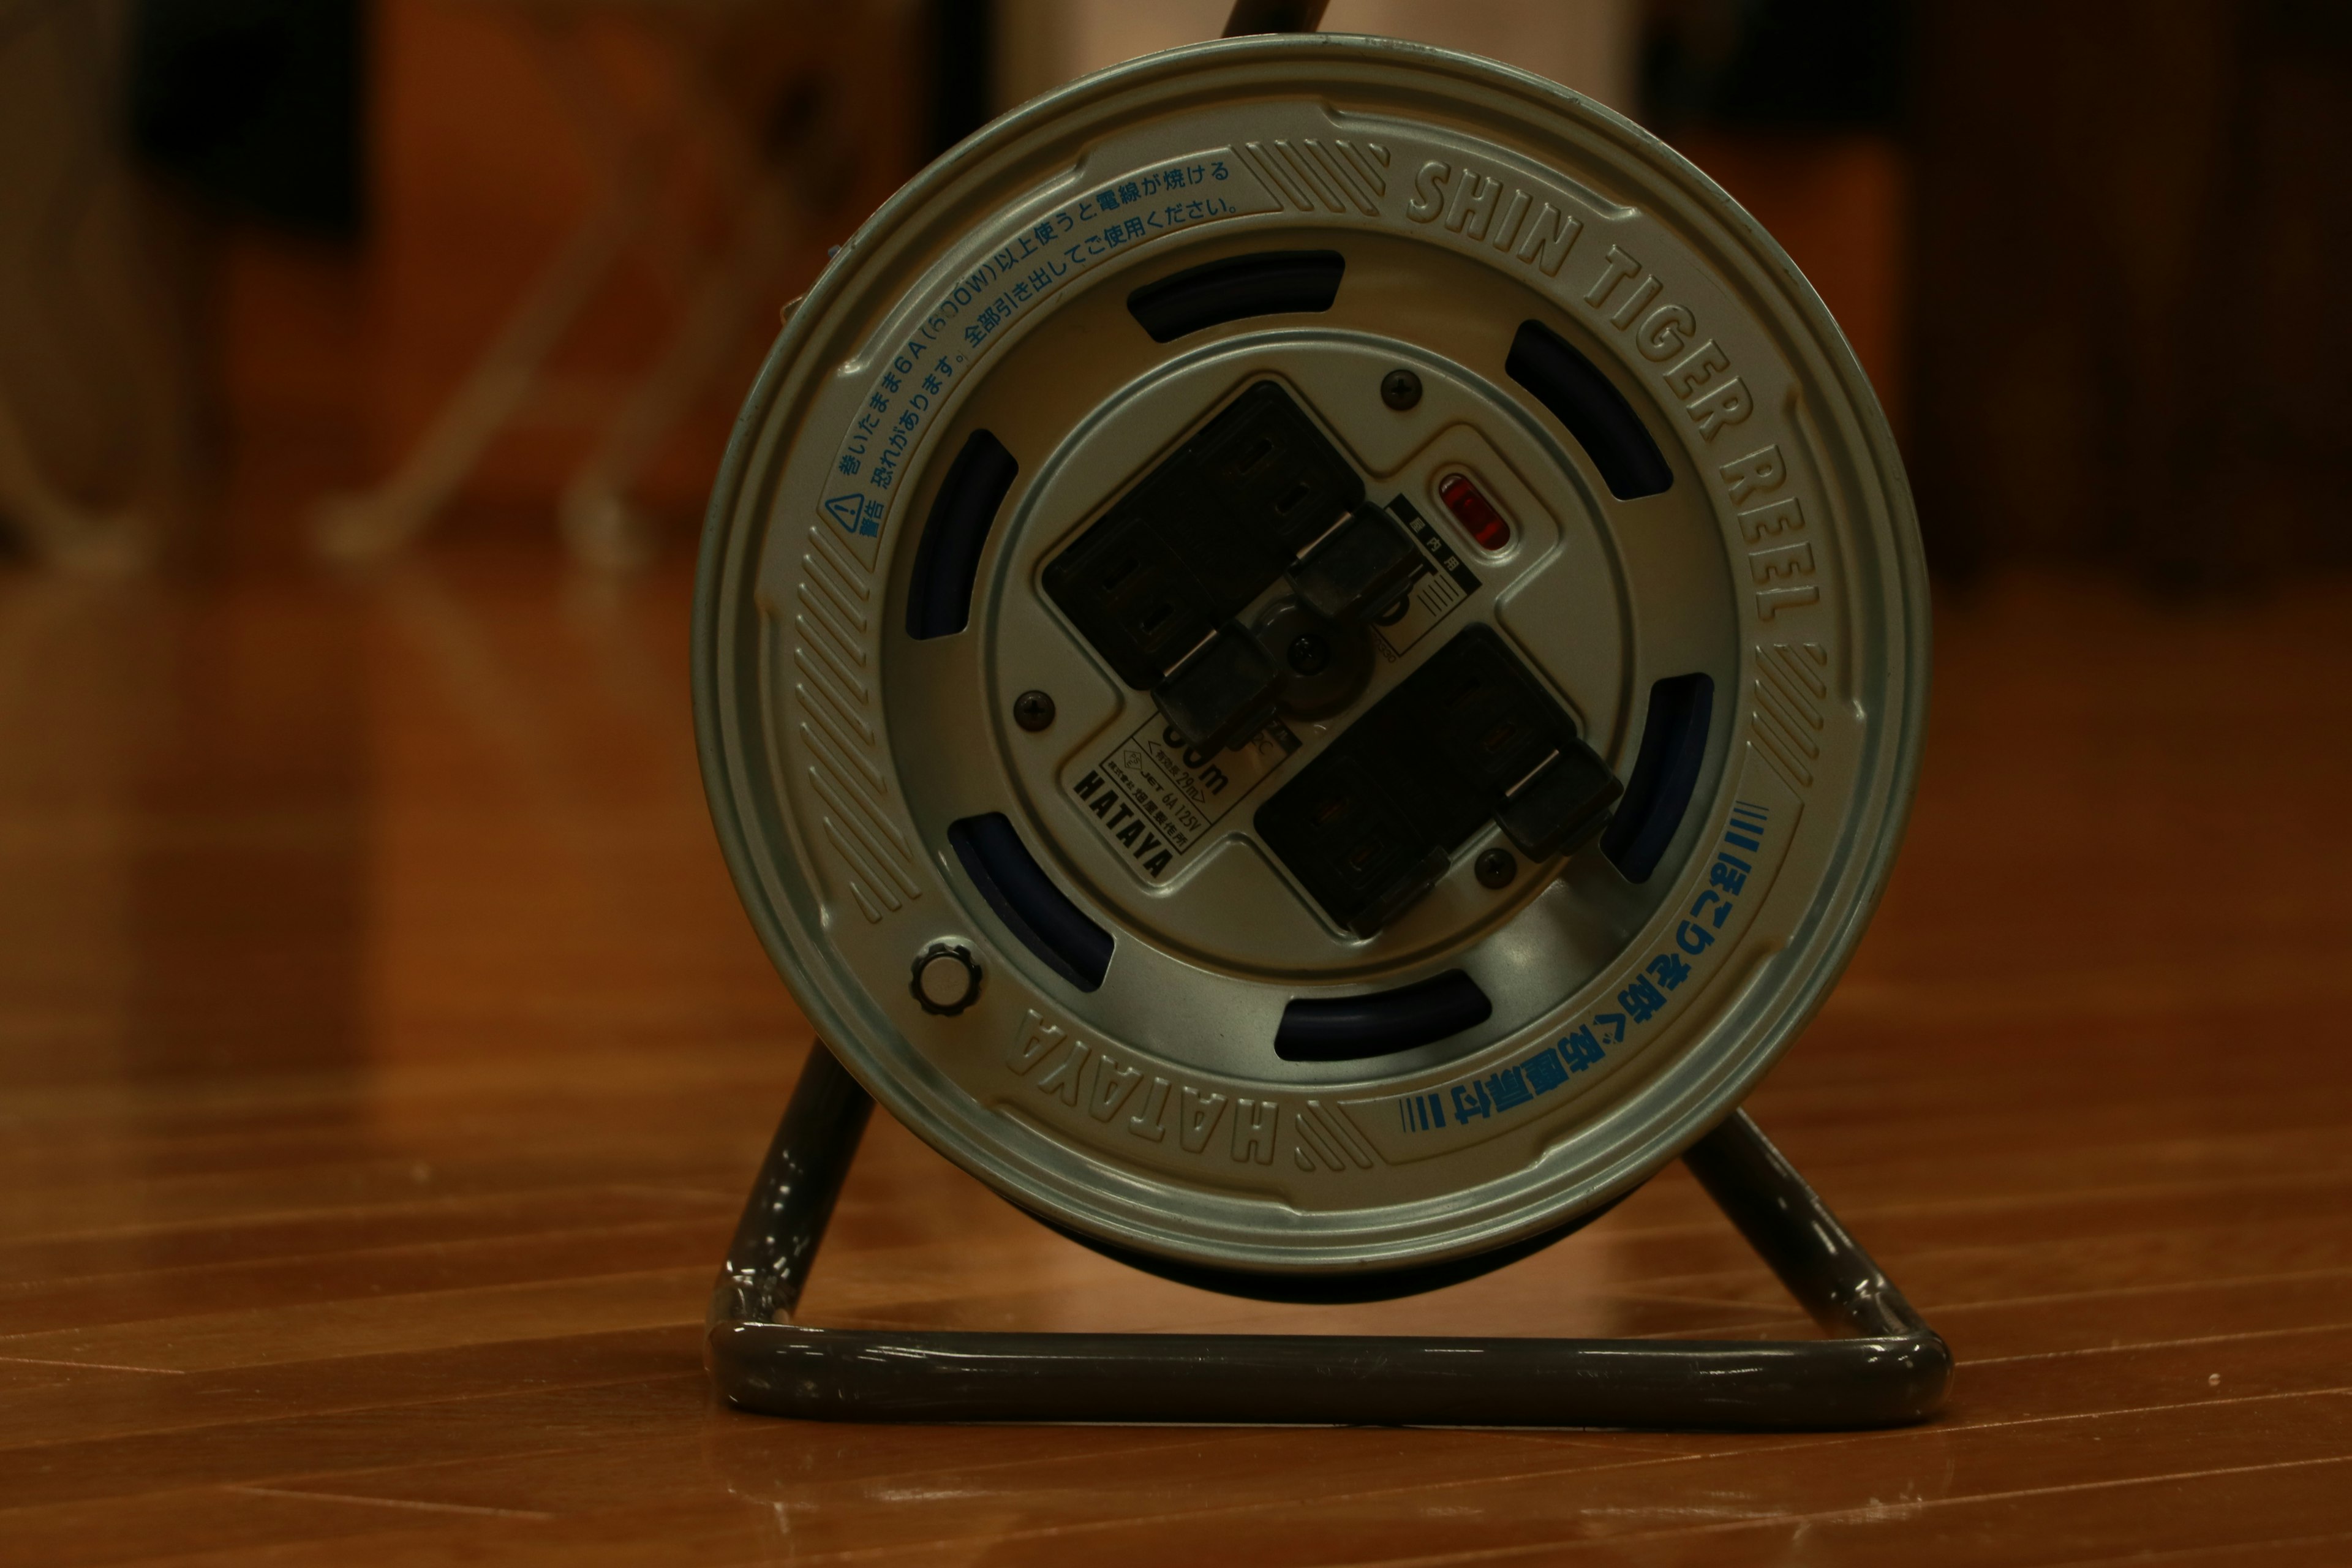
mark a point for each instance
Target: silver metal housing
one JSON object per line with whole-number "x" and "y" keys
{"x": 991, "y": 293}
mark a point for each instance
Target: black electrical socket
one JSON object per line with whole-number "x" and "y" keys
{"x": 1470, "y": 737}
{"x": 1202, "y": 534}
{"x": 1356, "y": 841}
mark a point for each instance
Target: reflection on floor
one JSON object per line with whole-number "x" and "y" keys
{"x": 383, "y": 1054}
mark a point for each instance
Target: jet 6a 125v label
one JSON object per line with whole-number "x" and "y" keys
{"x": 1157, "y": 800}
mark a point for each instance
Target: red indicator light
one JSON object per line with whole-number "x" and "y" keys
{"x": 1474, "y": 512}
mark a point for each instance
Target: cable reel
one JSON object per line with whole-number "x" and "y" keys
{"x": 1309, "y": 657}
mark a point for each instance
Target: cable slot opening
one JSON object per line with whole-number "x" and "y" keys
{"x": 1355, "y": 1028}
{"x": 947, "y": 557}
{"x": 1666, "y": 770}
{"x": 1580, "y": 398}
{"x": 1042, "y": 916}
{"x": 1269, "y": 283}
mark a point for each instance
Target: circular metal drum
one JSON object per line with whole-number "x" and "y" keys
{"x": 1310, "y": 656}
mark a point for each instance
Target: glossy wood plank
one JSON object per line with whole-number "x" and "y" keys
{"x": 383, "y": 1055}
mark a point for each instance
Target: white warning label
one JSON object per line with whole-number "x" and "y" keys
{"x": 1158, "y": 800}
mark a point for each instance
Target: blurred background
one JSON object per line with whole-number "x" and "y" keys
{"x": 280, "y": 277}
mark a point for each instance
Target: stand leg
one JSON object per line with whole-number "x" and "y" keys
{"x": 1897, "y": 1371}
{"x": 767, "y": 1266}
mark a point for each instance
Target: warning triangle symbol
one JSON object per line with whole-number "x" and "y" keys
{"x": 846, "y": 509}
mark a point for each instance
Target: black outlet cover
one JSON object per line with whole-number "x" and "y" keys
{"x": 1223, "y": 694}
{"x": 1360, "y": 569}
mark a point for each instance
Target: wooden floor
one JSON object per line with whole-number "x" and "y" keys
{"x": 384, "y": 1057}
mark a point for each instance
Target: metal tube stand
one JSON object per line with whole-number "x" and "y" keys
{"x": 1895, "y": 1371}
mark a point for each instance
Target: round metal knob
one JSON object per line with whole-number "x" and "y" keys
{"x": 947, "y": 978}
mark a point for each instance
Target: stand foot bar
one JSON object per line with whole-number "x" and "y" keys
{"x": 829, "y": 1375}
{"x": 1897, "y": 1372}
